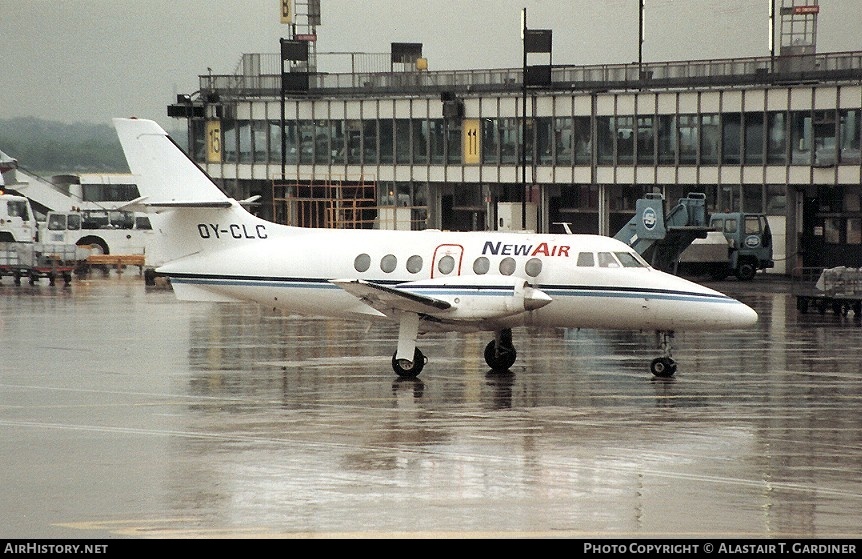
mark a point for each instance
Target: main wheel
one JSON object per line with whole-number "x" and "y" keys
{"x": 500, "y": 359}
{"x": 409, "y": 369}
{"x": 663, "y": 367}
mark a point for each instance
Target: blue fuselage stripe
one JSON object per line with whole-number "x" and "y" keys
{"x": 594, "y": 291}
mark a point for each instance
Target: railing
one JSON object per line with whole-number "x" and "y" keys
{"x": 259, "y": 75}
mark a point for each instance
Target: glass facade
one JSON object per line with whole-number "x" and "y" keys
{"x": 688, "y": 139}
{"x": 776, "y": 138}
{"x": 850, "y": 133}
{"x": 710, "y": 139}
{"x": 820, "y": 138}
{"x": 579, "y": 149}
{"x": 646, "y": 140}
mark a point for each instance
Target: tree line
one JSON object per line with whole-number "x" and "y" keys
{"x": 45, "y": 147}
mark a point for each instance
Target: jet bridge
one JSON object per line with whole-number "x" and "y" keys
{"x": 661, "y": 237}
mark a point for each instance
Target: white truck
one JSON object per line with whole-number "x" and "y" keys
{"x": 21, "y": 253}
{"x": 115, "y": 238}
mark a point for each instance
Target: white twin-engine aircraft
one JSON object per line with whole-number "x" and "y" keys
{"x": 423, "y": 280}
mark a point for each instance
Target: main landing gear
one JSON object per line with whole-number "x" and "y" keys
{"x": 405, "y": 368}
{"x": 408, "y": 361}
{"x": 500, "y": 354}
{"x": 663, "y": 366}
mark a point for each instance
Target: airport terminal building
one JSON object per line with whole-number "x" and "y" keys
{"x": 392, "y": 144}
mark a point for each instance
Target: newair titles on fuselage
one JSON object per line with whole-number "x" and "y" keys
{"x": 542, "y": 249}
{"x": 423, "y": 280}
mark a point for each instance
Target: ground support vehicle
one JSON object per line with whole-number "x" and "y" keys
{"x": 115, "y": 239}
{"x": 686, "y": 240}
{"x": 661, "y": 237}
{"x": 837, "y": 289}
{"x": 38, "y": 260}
{"x": 749, "y": 244}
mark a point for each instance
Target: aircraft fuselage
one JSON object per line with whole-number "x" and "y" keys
{"x": 291, "y": 269}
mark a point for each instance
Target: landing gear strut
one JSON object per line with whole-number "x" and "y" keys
{"x": 663, "y": 366}
{"x": 408, "y": 361}
{"x": 500, "y": 354}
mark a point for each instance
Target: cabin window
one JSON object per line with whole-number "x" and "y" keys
{"x": 446, "y": 265}
{"x": 481, "y": 266}
{"x": 388, "y": 263}
{"x": 533, "y": 267}
{"x": 607, "y": 260}
{"x": 414, "y": 264}
{"x": 586, "y": 260}
{"x": 507, "y": 266}
{"x": 628, "y": 260}
{"x": 362, "y": 263}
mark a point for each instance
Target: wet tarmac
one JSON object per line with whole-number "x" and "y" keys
{"x": 125, "y": 413}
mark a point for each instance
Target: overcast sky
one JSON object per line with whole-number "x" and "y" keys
{"x": 91, "y": 60}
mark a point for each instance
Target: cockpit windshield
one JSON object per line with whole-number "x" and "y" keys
{"x": 623, "y": 259}
{"x": 631, "y": 260}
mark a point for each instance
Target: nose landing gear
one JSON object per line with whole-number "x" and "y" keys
{"x": 663, "y": 366}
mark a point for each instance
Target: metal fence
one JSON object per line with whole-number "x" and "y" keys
{"x": 372, "y": 73}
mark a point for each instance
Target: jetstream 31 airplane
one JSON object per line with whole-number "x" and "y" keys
{"x": 423, "y": 280}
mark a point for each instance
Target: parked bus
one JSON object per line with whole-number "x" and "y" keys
{"x": 104, "y": 231}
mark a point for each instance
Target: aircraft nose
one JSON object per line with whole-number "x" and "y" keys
{"x": 743, "y": 315}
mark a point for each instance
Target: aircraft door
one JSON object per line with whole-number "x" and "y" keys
{"x": 447, "y": 261}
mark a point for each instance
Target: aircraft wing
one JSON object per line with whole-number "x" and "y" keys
{"x": 389, "y": 300}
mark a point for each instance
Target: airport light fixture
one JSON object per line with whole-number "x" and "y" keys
{"x": 533, "y": 76}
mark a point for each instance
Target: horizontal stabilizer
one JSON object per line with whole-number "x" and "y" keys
{"x": 143, "y": 205}
{"x": 133, "y": 205}
{"x": 252, "y": 200}
{"x": 201, "y": 204}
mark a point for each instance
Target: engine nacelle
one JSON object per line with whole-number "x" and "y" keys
{"x": 480, "y": 297}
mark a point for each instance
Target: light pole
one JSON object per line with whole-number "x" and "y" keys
{"x": 640, "y": 38}
{"x": 524, "y": 123}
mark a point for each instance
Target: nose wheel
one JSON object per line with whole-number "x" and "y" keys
{"x": 663, "y": 367}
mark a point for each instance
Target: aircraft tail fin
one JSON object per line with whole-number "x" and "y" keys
{"x": 166, "y": 176}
